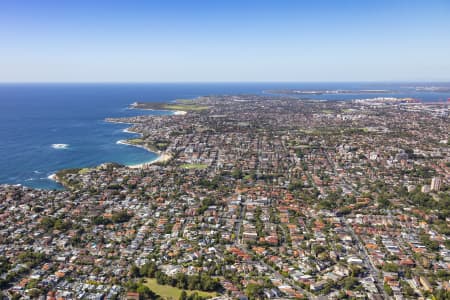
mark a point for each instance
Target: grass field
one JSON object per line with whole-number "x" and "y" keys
{"x": 194, "y": 166}
{"x": 185, "y": 107}
{"x": 170, "y": 292}
{"x": 135, "y": 141}
{"x": 184, "y": 101}
{"x": 327, "y": 111}
{"x": 84, "y": 171}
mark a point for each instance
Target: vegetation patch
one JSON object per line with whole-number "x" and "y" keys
{"x": 328, "y": 111}
{"x": 185, "y": 107}
{"x": 84, "y": 171}
{"x": 65, "y": 172}
{"x": 136, "y": 141}
{"x": 170, "y": 292}
{"x": 194, "y": 166}
{"x": 185, "y": 101}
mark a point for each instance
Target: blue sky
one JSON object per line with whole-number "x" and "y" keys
{"x": 209, "y": 40}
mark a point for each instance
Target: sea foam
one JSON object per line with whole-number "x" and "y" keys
{"x": 60, "y": 146}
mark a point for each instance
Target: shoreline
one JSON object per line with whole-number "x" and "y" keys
{"x": 162, "y": 156}
{"x": 127, "y": 130}
{"x": 174, "y": 112}
{"x": 179, "y": 112}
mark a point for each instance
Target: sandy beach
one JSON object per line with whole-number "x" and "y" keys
{"x": 174, "y": 112}
{"x": 163, "y": 157}
{"x": 124, "y": 142}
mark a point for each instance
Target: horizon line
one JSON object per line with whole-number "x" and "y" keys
{"x": 224, "y": 81}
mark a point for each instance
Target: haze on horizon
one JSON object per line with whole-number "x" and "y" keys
{"x": 209, "y": 40}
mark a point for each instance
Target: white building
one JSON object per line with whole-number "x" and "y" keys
{"x": 435, "y": 184}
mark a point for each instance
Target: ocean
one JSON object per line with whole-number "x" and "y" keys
{"x": 48, "y": 127}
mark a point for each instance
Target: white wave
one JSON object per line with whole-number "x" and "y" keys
{"x": 179, "y": 113}
{"x": 60, "y": 146}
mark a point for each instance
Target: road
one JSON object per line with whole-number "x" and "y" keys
{"x": 368, "y": 263}
{"x": 281, "y": 277}
{"x": 238, "y": 224}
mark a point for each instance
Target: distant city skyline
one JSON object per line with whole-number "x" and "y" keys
{"x": 224, "y": 41}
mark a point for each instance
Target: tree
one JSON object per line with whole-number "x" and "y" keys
{"x": 193, "y": 283}
{"x": 145, "y": 292}
{"x": 442, "y": 294}
{"x": 237, "y": 173}
{"x": 407, "y": 289}
{"x": 34, "y": 293}
{"x": 194, "y": 296}
{"x": 390, "y": 267}
{"x": 181, "y": 281}
{"x": 100, "y": 220}
{"x": 31, "y": 258}
{"x": 5, "y": 265}
{"x": 55, "y": 223}
{"x": 121, "y": 217}
{"x": 134, "y": 271}
{"x": 388, "y": 289}
{"x": 431, "y": 245}
{"x": 183, "y": 295}
{"x": 3, "y": 283}
{"x": 148, "y": 270}
{"x": 350, "y": 283}
{"x": 383, "y": 202}
{"x": 254, "y": 291}
{"x": 160, "y": 277}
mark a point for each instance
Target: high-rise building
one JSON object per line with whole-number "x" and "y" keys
{"x": 435, "y": 184}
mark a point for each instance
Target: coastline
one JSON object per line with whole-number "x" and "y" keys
{"x": 127, "y": 130}
{"x": 175, "y": 112}
{"x": 53, "y": 177}
{"x": 162, "y": 156}
{"x": 179, "y": 112}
